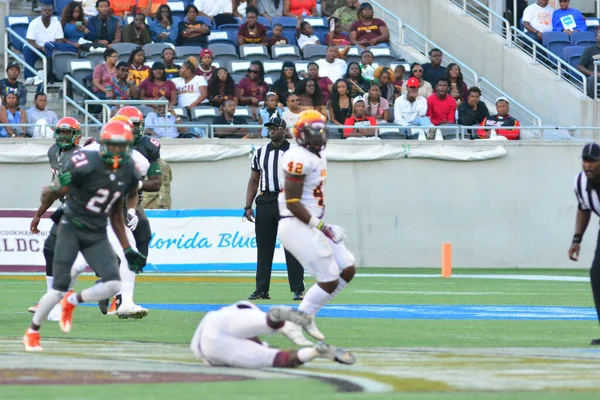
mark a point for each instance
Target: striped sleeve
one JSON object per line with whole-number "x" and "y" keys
{"x": 579, "y": 188}
{"x": 254, "y": 163}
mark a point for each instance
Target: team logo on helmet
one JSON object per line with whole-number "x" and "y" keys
{"x": 311, "y": 130}
{"x": 136, "y": 117}
{"x": 116, "y": 139}
{"x": 67, "y": 133}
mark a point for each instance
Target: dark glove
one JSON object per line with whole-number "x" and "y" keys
{"x": 135, "y": 260}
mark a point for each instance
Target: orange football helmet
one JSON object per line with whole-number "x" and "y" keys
{"x": 311, "y": 130}
{"x": 67, "y": 133}
{"x": 116, "y": 139}
{"x": 124, "y": 119}
{"x": 136, "y": 117}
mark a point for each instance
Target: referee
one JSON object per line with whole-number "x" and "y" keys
{"x": 265, "y": 170}
{"x": 587, "y": 190}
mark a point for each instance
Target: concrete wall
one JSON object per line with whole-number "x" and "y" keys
{"x": 517, "y": 211}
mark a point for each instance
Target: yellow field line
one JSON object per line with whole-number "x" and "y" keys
{"x": 143, "y": 278}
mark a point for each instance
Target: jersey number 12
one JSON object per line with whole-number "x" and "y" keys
{"x": 96, "y": 203}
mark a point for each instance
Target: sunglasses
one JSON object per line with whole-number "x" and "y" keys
{"x": 417, "y": 70}
{"x": 288, "y": 69}
{"x": 253, "y": 71}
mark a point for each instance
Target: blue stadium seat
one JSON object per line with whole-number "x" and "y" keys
{"x": 155, "y": 49}
{"x": 290, "y": 35}
{"x": 587, "y": 36}
{"x": 592, "y": 24}
{"x": 206, "y": 20}
{"x": 222, "y": 37}
{"x": 285, "y": 52}
{"x": 18, "y": 23}
{"x": 254, "y": 52}
{"x": 320, "y": 27}
{"x": 265, "y": 21}
{"x": 286, "y": 21}
{"x": 81, "y": 71}
{"x": 223, "y": 52}
{"x": 177, "y": 8}
{"x": 557, "y": 47}
{"x": 184, "y": 52}
{"x": 59, "y": 6}
{"x": 572, "y": 54}
{"x": 314, "y": 52}
{"x": 551, "y": 37}
{"x": 60, "y": 62}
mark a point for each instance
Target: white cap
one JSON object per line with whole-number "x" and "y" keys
{"x": 357, "y": 99}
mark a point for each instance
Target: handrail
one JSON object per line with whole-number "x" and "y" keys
{"x": 464, "y": 5}
{"x": 517, "y": 109}
{"x": 105, "y": 103}
{"x": 72, "y": 102}
{"x": 21, "y": 60}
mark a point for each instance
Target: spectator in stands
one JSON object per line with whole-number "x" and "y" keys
{"x": 104, "y": 28}
{"x": 163, "y": 29}
{"x": 368, "y": 31}
{"x": 157, "y": 85}
{"x": 137, "y": 31}
{"x": 252, "y": 31}
{"x": 73, "y": 24}
{"x": 305, "y": 34}
{"x": 206, "y": 69}
{"x": 192, "y": 32}
{"x": 120, "y": 88}
{"x": 335, "y": 36}
{"x": 425, "y": 88}
{"x": 325, "y": 84}
{"x": 149, "y": 7}
{"x": 340, "y": 106}
{"x": 441, "y": 108}
{"x": 219, "y": 11}
{"x": 299, "y": 8}
{"x": 501, "y": 121}
{"x": 228, "y": 117}
{"x": 292, "y": 112}
{"x": 359, "y": 118}
{"x": 104, "y": 73}
{"x": 171, "y": 69}
{"x": 473, "y": 111}
{"x": 138, "y": 71}
{"x": 410, "y": 109}
{"x": 367, "y": 67}
{"x": 286, "y": 83}
{"x": 458, "y": 87}
{"x": 268, "y": 112}
{"x": 162, "y": 124}
{"x": 385, "y": 76}
{"x": 331, "y": 66}
{"x": 567, "y": 19}
{"x": 309, "y": 96}
{"x": 221, "y": 87}
{"x": 270, "y": 9}
{"x": 377, "y": 107}
{"x": 276, "y": 36}
{"x": 328, "y": 7}
{"x": 252, "y": 88}
{"x": 537, "y": 19}
{"x": 347, "y": 14}
{"x": 10, "y": 84}
{"x": 11, "y": 113}
{"x": 357, "y": 85}
{"x": 192, "y": 89}
{"x": 586, "y": 64}
{"x": 39, "y": 115}
{"x": 43, "y": 33}
{"x": 399, "y": 72}
{"x": 433, "y": 70}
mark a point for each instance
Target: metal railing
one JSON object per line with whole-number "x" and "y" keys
{"x": 21, "y": 60}
{"x": 517, "y": 110}
{"x": 516, "y": 22}
{"x": 495, "y": 22}
{"x": 85, "y": 111}
{"x": 25, "y": 134}
{"x": 596, "y": 65}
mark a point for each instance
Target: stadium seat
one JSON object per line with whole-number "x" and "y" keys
{"x": 285, "y": 52}
{"x": 95, "y": 58}
{"x": 254, "y": 52}
{"x": 155, "y": 49}
{"x": 124, "y": 49}
{"x": 181, "y": 113}
{"x": 81, "y": 71}
{"x": 19, "y": 24}
{"x": 557, "y": 47}
{"x": 572, "y": 54}
{"x": 287, "y": 22}
{"x": 264, "y": 20}
{"x": 223, "y": 52}
{"x": 301, "y": 66}
{"x": 238, "y": 66}
{"x": 231, "y": 30}
{"x": 577, "y": 37}
{"x": 273, "y": 68}
{"x": 60, "y": 62}
{"x": 592, "y": 24}
{"x": 382, "y": 55}
{"x": 314, "y": 52}
{"x": 59, "y": 6}
{"x": 320, "y": 27}
{"x": 145, "y": 110}
{"x": 551, "y": 37}
{"x": 244, "y": 112}
{"x": 206, "y": 20}
{"x": 150, "y": 63}
{"x": 353, "y": 54}
{"x": 204, "y": 114}
{"x": 290, "y": 35}
{"x": 184, "y": 52}
{"x": 177, "y": 8}
{"x": 269, "y": 80}
{"x": 222, "y": 37}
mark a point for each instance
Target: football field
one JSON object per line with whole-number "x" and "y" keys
{"x": 482, "y": 334}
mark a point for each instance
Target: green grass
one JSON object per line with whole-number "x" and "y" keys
{"x": 177, "y": 327}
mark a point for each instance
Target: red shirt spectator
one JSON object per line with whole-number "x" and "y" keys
{"x": 251, "y": 88}
{"x": 294, "y": 8}
{"x": 368, "y": 31}
{"x": 359, "y": 118}
{"x": 338, "y": 39}
{"x": 252, "y": 32}
{"x": 502, "y": 119}
{"x": 441, "y": 108}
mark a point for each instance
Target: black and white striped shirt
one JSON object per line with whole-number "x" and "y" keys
{"x": 266, "y": 161}
{"x": 587, "y": 195}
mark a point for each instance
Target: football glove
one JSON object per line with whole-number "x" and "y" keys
{"x": 135, "y": 260}
{"x": 336, "y": 233}
{"x": 132, "y": 219}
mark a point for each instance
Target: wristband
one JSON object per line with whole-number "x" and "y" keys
{"x": 577, "y": 238}
{"x": 140, "y": 184}
{"x": 53, "y": 187}
{"x": 247, "y": 208}
{"x": 315, "y": 222}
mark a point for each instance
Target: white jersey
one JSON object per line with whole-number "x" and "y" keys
{"x": 141, "y": 163}
{"x": 301, "y": 162}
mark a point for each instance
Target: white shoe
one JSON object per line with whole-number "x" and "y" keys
{"x": 312, "y": 330}
{"x": 282, "y": 313}
{"x": 30, "y": 80}
{"x": 335, "y": 354}
{"x": 294, "y": 333}
{"x": 132, "y": 310}
{"x": 55, "y": 313}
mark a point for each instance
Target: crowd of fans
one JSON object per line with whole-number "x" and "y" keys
{"x": 356, "y": 94}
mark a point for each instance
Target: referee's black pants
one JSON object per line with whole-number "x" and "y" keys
{"x": 266, "y": 222}
{"x": 595, "y": 277}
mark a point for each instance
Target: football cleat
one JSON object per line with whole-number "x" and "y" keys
{"x": 335, "y": 354}
{"x": 33, "y": 309}
{"x": 112, "y": 310}
{"x": 294, "y": 333}
{"x": 103, "y": 306}
{"x": 281, "y": 313}
{"x": 312, "y": 330}
{"x": 66, "y": 316}
{"x": 31, "y": 341}
{"x": 132, "y": 311}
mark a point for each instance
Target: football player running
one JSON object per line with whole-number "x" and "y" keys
{"x": 318, "y": 246}
{"x": 95, "y": 184}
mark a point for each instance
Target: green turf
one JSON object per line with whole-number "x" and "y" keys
{"x": 177, "y": 327}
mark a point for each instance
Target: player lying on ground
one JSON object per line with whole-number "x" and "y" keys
{"x": 318, "y": 246}
{"x": 229, "y": 337}
{"x": 95, "y": 184}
